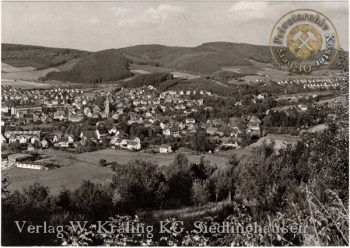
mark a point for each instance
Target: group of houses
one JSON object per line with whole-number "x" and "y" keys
{"x": 144, "y": 106}
{"x": 315, "y": 82}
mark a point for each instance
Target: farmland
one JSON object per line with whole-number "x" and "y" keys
{"x": 146, "y": 69}
{"x": 24, "y": 84}
{"x": 29, "y": 73}
{"x": 85, "y": 166}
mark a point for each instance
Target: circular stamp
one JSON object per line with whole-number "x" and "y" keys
{"x": 303, "y": 41}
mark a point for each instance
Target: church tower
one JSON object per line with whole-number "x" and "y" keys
{"x": 107, "y": 106}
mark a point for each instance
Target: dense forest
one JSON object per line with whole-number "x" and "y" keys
{"x": 154, "y": 79}
{"x": 98, "y": 67}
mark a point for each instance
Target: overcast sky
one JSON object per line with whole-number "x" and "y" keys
{"x": 101, "y": 25}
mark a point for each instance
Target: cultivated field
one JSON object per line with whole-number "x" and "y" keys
{"x": 30, "y": 73}
{"x": 254, "y": 72}
{"x": 9, "y": 68}
{"x": 27, "y": 75}
{"x": 140, "y": 71}
{"x": 149, "y": 68}
{"x": 146, "y": 69}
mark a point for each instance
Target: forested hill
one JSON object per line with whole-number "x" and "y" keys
{"x": 206, "y": 58}
{"x": 113, "y": 64}
{"x": 37, "y": 56}
{"x": 98, "y": 67}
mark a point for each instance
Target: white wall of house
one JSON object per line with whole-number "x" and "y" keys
{"x": 30, "y": 166}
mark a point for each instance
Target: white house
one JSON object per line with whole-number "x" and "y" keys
{"x": 44, "y": 143}
{"x": 302, "y": 107}
{"x": 167, "y": 132}
{"x": 62, "y": 144}
{"x": 165, "y": 149}
{"x": 131, "y": 144}
{"x": 230, "y": 143}
{"x": 190, "y": 121}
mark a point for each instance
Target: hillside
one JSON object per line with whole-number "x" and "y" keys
{"x": 165, "y": 81}
{"x": 206, "y": 58}
{"x": 98, "y": 67}
{"x": 149, "y": 54}
{"x": 37, "y": 56}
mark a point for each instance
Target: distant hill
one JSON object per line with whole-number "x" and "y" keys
{"x": 113, "y": 64}
{"x": 206, "y": 58}
{"x": 97, "y": 67}
{"x": 37, "y": 56}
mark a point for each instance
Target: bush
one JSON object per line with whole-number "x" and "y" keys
{"x": 103, "y": 162}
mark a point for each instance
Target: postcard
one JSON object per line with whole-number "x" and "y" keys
{"x": 175, "y": 123}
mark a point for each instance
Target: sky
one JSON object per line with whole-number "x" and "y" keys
{"x": 96, "y": 26}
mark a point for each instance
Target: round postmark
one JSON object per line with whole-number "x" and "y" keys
{"x": 303, "y": 41}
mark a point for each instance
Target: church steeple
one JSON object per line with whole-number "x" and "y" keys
{"x": 107, "y": 106}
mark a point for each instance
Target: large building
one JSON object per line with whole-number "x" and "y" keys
{"x": 22, "y": 111}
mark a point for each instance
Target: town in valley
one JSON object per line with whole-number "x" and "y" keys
{"x": 180, "y": 123}
{"x": 155, "y": 114}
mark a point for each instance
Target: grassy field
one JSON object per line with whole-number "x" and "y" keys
{"x": 139, "y": 71}
{"x": 27, "y": 75}
{"x": 24, "y": 84}
{"x": 317, "y": 128}
{"x": 341, "y": 99}
{"x": 281, "y": 140}
{"x": 149, "y": 68}
{"x": 68, "y": 176}
{"x": 9, "y": 68}
{"x": 255, "y": 69}
{"x": 145, "y": 69}
{"x": 124, "y": 156}
{"x": 85, "y": 166}
{"x": 30, "y": 73}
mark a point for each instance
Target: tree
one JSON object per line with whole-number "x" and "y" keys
{"x": 328, "y": 161}
{"x": 103, "y": 162}
{"x": 180, "y": 163}
{"x": 200, "y": 192}
{"x": 225, "y": 179}
{"x": 93, "y": 200}
{"x": 201, "y": 142}
{"x": 139, "y": 184}
{"x": 5, "y": 183}
{"x": 64, "y": 199}
{"x": 37, "y": 144}
{"x": 34, "y": 204}
{"x": 202, "y": 170}
{"x": 267, "y": 122}
{"x": 180, "y": 185}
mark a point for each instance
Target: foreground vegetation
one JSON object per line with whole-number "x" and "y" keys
{"x": 305, "y": 185}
